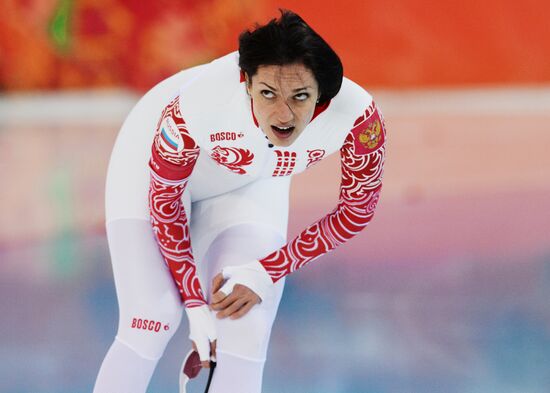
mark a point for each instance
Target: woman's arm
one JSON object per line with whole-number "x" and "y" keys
{"x": 362, "y": 160}
{"x": 173, "y": 156}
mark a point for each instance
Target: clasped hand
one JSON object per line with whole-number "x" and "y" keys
{"x": 238, "y": 288}
{"x": 234, "y": 305}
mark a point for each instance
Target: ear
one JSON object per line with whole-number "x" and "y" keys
{"x": 248, "y": 82}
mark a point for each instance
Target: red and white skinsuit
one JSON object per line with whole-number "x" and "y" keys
{"x": 239, "y": 147}
{"x": 216, "y": 193}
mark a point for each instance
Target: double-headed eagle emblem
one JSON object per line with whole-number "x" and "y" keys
{"x": 371, "y": 136}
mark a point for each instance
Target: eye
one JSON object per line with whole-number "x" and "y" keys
{"x": 301, "y": 96}
{"x": 267, "y": 93}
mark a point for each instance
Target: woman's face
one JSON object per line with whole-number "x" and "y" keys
{"x": 284, "y": 99}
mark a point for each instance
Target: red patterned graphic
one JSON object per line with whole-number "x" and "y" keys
{"x": 232, "y": 158}
{"x": 359, "y": 193}
{"x": 314, "y": 156}
{"x": 286, "y": 161}
{"x": 169, "y": 173}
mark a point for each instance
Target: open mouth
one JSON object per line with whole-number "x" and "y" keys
{"x": 282, "y": 132}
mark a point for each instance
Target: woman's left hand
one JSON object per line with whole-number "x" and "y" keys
{"x": 238, "y": 288}
{"x": 236, "y": 304}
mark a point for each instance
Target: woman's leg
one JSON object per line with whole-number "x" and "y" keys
{"x": 234, "y": 229}
{"x": 149, "y": 308}
{"x": 242, "y": 343}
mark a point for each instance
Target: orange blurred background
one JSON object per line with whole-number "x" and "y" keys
{"x": 57, "y": 44}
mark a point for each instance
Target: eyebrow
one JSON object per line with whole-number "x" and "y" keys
{"x": 295, "y": 90}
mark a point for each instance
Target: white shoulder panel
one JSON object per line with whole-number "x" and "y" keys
{"x": 348, "y": 105}
{"x": 204, "y": 100}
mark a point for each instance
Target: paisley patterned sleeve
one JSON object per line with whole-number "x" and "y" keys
{"x": 362, "y": 160}
{"x": 173, "y": 156}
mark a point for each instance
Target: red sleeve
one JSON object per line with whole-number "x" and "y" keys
{"x": 362, "y": 160}
{"x": 173, "y": 156}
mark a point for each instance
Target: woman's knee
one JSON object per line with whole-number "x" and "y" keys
{"x": 148, "y": 330}
{"x": 245, "y": 337}
{"x": 150, "y": 306}
{"x": 148, "y": 322}
{"x": 248, "y": 336}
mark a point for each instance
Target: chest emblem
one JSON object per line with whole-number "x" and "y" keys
{"x": 232, "y": 158}
{"x": 286, "y": 161}
{"x": 314, "y": 156}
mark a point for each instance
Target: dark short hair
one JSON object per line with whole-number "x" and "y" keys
{"x": 290, "y": 40}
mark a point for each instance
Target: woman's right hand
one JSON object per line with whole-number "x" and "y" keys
{"x": 202, "y": 333}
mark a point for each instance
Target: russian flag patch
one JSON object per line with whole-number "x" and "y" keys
{"x": 170, "y": 137}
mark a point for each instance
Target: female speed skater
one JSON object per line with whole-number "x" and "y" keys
{"x": 197, "y": 199}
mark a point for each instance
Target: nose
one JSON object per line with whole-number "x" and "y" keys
{"x": 284, "y": 113}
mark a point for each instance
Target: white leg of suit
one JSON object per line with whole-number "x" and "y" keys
{"x": 226, "y": 230}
